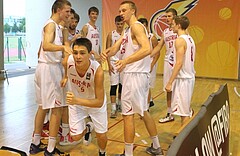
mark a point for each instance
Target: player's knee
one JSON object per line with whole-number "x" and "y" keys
{"x": 101, "y": 136}
{"x": 113, "y": 90}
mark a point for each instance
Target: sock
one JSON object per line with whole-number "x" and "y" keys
{"x": 65, "y": 129}
{"x": 102, "y": 151}
{"x": 151, "y": 99}
{"x": 51, "y": 143}
{"x": 128, "y": 149}
{"x": 119, "y": 102}
{"x": 114, "y": 107}
{"x": 169, "y": 110}
{"x": 155, "y": 141}
{"x": 36, "y": 139}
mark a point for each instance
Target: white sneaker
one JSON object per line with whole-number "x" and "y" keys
{"x": 168, "y": 118}
{"x": 67, "y": 140}
{"x": 88, "y": 137}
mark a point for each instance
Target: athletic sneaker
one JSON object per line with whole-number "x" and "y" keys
{"x": 119, "y": 108}
{"x": 45, "y": 131}
{"x": 45, "y": 134}
{"x": 191, "y": 113}
{"x": 34, "y": 149}
{"x": 168, "y": 118}
{"x": 55, "y": 151}
{"x": 67, "y": 140}
{"x": 155, "y": 152}
{"x": 88, "y": 136}
{"x": 113, "y": 114}
{"x": 151, "y": 104}
{"x": 100, "y": 154}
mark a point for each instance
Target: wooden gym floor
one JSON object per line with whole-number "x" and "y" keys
{"x": 18, "y": 108}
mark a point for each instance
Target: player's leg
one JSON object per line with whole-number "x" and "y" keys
{"x": 166, "y": 76}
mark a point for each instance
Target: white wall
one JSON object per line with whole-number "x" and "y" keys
{"x": 37, "y": 13}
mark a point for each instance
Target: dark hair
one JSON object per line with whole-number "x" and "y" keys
{"x": 83, "y": 42}
{"x": 132, "y": 4}
{"x": 76, "y": 16}
{"x": 118, "y": 19}
{"x": 183, "y": 21}
{"x": 172, "y": 10}
{"x": 143, "y": 20}
{"x": 72, "y": 11}
{"x": 59, "y": 4}
{"x": 93, "y": 9}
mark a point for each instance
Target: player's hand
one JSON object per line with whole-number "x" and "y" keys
{"x": 120, "y": 65}
{"x": 168, "y": 87}
{"x": 104, "y": 54}
{"x": 64, "y": 82}
{"x": 70, "y": 98}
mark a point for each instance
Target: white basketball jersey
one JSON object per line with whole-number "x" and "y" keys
{"x": 169, "y": 39}
{"x": 128, "y": 48}
{"x": 115, "y": 37}
{"x": 70, "y": 36}
{"x": 56, "y": 56}
{"x": 187, "y": 70}
{"x": 82, "y": 87}
{"x": 94, "y": 36}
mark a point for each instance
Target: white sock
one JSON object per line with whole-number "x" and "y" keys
{"x": 114, "y": 107}
{"x": 36, "y": 139}
{"x": 102, "y": 151}
{"x": 65, "y": 129}
{"x": 51, "y": 143}
{"x": 155, "y": 141}
{"x": 169, "y": 110}
{"x": 119, "y": 102}
{"x": 128, "y": 149}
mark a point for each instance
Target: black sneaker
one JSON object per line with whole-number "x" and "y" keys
{"x": 100, "y": 154}
{"x": 151, "y": 104}
{"x": 55, "y": 151}
{"x": 34, "y": 149}
{"x": 153, "y": 151}
{"x": 88, "y": 137}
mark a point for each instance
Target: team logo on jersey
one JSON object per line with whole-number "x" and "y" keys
{"x": 88, "y": 76}
{"x": 158, "y": 20}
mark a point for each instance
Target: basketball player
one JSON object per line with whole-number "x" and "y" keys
{"x": 92, "y": 32}
{"x": 135, "y": 64}
{"x": 86, "y": 96}
{"x": 153, "y": 70}
{"x": 115, "y": 78}
{"x": 49, "y": 72}
{"x": 65, "y": 138}
{"x": 168, "y": 38}
{"x": 182, "y": 80}
{"x": 73, "y": 32}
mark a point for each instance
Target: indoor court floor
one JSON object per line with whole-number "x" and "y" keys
{"x": 18, "y": 108}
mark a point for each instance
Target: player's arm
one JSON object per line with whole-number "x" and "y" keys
{"x": 155, "y": 58}
{"x": 99, "y": 93}
{"x": 108, "y": 45}
{"x": 180, "y": 52}
{"x": 39, "y": 49}
{"x": 84, "y": 31}
{"x": 49, "y": 36}
{"x": 156, "y": 50}
{"x": 112, "y": 50}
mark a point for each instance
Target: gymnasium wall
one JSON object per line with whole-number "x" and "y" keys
{"x": 215, "y": 27}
